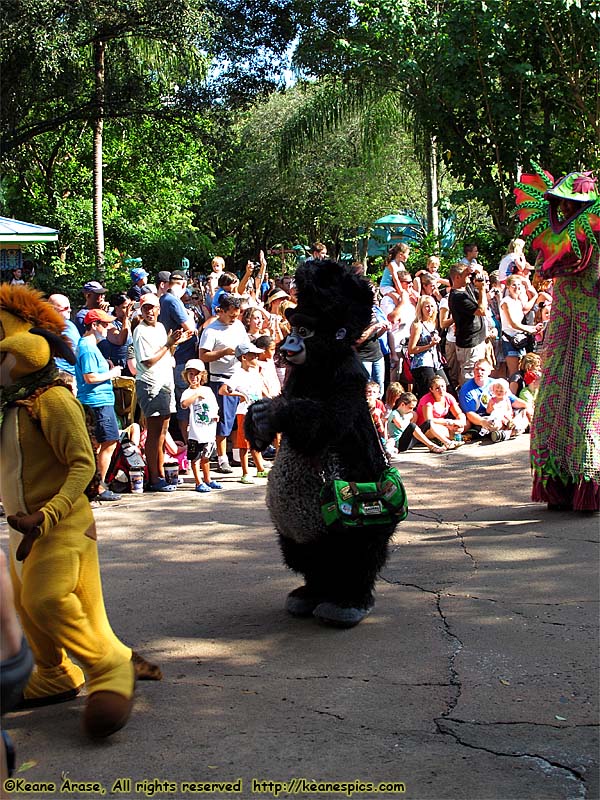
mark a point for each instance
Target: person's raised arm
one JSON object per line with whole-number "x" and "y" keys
{"x": 246, "y": 277}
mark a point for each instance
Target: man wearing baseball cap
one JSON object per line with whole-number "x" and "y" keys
{"x": 94, "y": 390}
{"x": 139, "y": 277}
{"x": 174, "y": 316}
{"x": 154, "y": 385}
{"x": 94, "y": 294}
{"x": 162, "y": 282}
{"x": 217, "y": 350}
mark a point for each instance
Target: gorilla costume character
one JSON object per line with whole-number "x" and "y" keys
{"x": 327, "y": 432}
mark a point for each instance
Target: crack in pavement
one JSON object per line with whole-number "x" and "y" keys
{"x": 463, "y": 544}
{"x": 327, "y": 714}
{"x": 508, "y": 608}
{"x": 444, "y": 727}
{"x": 422, "y": 515}
{"x": 453, "y": 672}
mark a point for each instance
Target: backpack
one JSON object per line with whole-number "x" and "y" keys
{"x": 125, "y": 458}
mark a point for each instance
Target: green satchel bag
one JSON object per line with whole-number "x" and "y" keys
{"x": 362, "y": 504}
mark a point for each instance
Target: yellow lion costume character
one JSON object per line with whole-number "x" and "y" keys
{"x": 47, "y": 464}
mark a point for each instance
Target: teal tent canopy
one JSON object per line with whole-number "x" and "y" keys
{"x": 397, "y": 219}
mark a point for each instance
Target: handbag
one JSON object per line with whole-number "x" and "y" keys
{"x": 355, "y": 505}
{"x": 347, "y": 504}
{"x": 518, "y": 341}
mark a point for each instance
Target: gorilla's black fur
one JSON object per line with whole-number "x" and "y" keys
{"x": 327, "y": 432}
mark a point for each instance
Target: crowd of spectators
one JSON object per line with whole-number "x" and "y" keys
{"x": 458, "y": 350}
{"x": 455, "y": 359}
{"x": 194, "y": 354}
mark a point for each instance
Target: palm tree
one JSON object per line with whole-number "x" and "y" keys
{"x": 333, "y": 102}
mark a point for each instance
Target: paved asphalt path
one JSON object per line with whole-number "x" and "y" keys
{"x": 475, "y": 677}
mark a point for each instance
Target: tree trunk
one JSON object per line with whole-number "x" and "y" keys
{"x": 99, "y": 51}
{"x": 431, "y": 177}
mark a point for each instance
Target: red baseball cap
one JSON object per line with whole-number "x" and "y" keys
{"x": 97, "y": 315}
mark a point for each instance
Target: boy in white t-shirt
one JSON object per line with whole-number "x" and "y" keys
{"x": 247, "y": 384}
{"x": 204, "y": 413}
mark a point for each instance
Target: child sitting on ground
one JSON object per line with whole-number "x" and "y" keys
{"x": 499, "y": 407}
{"x": 246, "y": 383}
{"x": 204, "y": 414}
{"x": 402, "y": 427}
{"x": 501, "y": 412}
{"x": 394, "y": 391}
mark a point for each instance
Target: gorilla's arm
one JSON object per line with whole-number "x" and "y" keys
{"x": 309, "y": 423}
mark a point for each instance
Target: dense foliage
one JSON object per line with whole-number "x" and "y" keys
{"x": 493, "y": 82}
{"x": 242, "y": 125}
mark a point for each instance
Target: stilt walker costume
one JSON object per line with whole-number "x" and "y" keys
{"x": 561, "y": 219}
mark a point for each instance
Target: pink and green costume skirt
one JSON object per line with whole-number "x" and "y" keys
{"x": 565, "y": 432}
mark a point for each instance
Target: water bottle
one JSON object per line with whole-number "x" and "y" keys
{"x": 458, "y": 437}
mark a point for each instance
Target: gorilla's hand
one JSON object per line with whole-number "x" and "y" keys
{"x": 259, "y": 425}
{"x": 29, "y": 526}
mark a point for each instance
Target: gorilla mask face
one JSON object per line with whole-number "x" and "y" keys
{"x": 293, "y": 347}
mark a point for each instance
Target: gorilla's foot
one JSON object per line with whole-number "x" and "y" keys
{"x": 340, "y": 616}
{"x": 106, "y": 713}
{"x": 301, "y": 602}
{"x": 144, "y": 670}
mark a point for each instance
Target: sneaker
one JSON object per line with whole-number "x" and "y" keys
{"x": 499, "y": 436}
{"x": 224, "y": 468}
{"x": 269, "y": 453}
{"x": 108, "y": 497}
{"x": 263, "y": 473}
{"x": 203, "y": 488}
{"x": 246, "y": 479}
{"x": 215, "y": 485}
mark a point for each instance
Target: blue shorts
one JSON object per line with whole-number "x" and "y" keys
{"x": 227, "y": 408}
{"x": 509, "y": 349}
{"x": 153, "y": 403}
{"x": 106, "y": 427}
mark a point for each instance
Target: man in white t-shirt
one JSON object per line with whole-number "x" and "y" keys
{"x": 217, "y": 350}
{"x": 447, "y": 323}
{"x": 154, "y": 385}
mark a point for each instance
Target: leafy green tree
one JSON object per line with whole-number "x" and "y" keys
{"x": 92, "y": 61}
{"x": 328, "y": 190}
{"x": 491, "y": 83}
{"x": 155, "y": 174}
